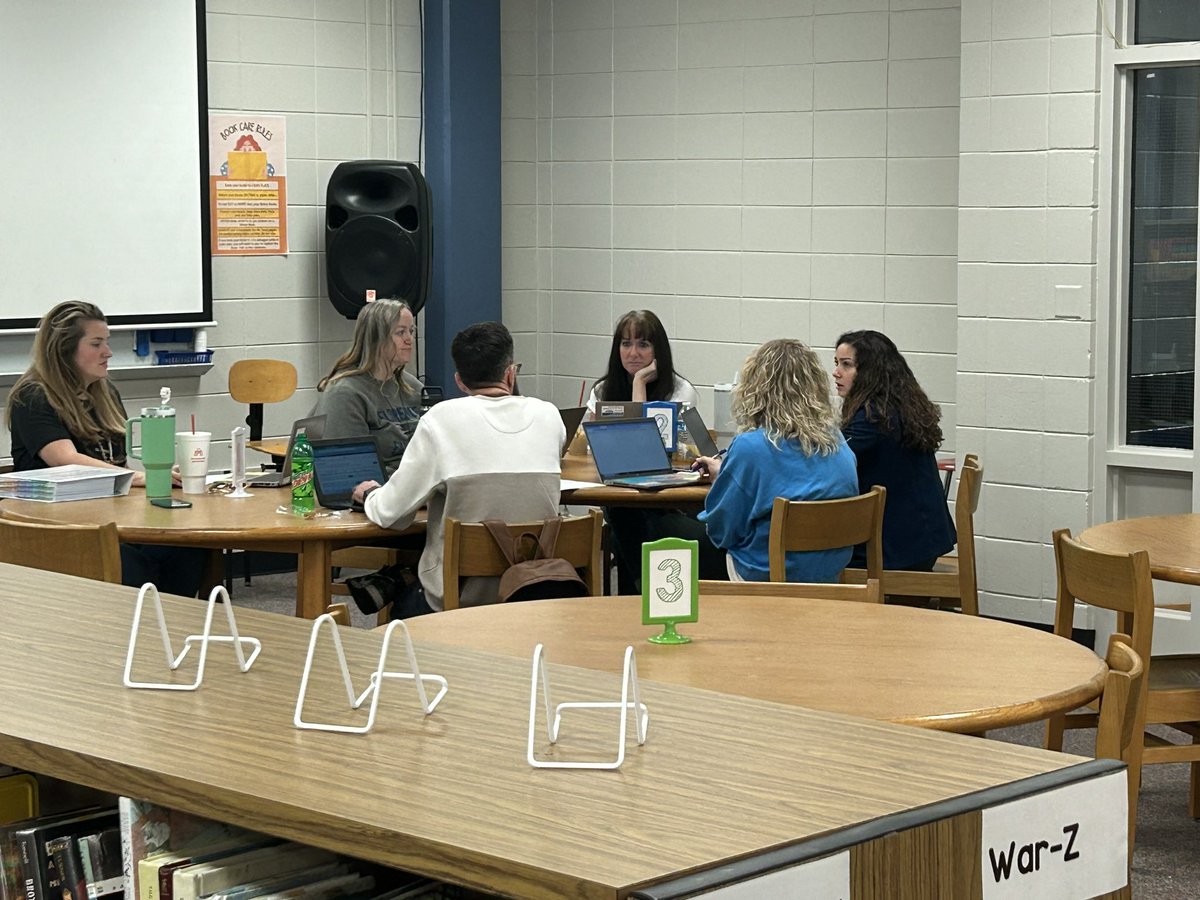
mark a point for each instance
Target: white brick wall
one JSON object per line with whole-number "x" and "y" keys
{"x": 1026, "y": 226}
{"x": 745, "y": 169}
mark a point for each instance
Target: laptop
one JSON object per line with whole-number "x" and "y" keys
{"x": 340, "y": 464}
{"x": 698, "y": 432}
{"x": 629, "y": 453}
{"x": 314, "y": 428}
{"x": 571, "y": 418}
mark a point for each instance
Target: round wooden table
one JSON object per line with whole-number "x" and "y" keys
{"x": 261, "y": 522}
{"x": 581, "y": 468}
{"x": 1173, "y": 543}
{"x": 912, "y": 666}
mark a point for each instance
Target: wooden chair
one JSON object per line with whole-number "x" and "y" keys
{"x": 1120, "y": 707}
{"x": 260, "y": 381}
{"x": 861, "y": 593}
{"x": 827, "y": 525}
{"x": 1171, "y": 687}
{"x": 88, "y": 551}
{"x": 953, "y": 577}
{"x": 470, "y": 550}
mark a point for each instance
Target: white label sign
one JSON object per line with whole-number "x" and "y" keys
{"x": 827, "y": 878}
{"x": 1065, "y": 843}
{"x": 670, "y": 583}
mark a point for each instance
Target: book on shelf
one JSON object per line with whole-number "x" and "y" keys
{"x": 66, "y": 879}
{"x": 148, "y": 828}
{"x": 60, "y": 483}
{"x": 100, "y": 855}
{"x": 37, "y": 868}
{"x": 156, "y": 872}
{"x": 195, "y": 881}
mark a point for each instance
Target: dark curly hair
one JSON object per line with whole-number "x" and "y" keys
{"x": 886, "y": 389}
{"x": 617, "y": 384}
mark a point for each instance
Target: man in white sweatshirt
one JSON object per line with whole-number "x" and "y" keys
{"x": 490, "y": 454}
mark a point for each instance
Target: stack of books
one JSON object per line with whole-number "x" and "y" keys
{"x": 65, "y": 483}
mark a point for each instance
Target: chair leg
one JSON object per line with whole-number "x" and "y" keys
{"x": 1054, "y": 733}
{"x": 1194, "y": 791}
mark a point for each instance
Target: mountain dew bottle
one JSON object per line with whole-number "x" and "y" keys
{"x": 302, "y": 475}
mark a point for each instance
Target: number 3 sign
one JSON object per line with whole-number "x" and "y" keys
{"x": 669, "y": 587}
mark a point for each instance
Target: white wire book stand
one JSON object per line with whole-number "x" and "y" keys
{"x": 375, "y": 682}
{"x": 628, "y": 707}
{"x": 203, "y": 639}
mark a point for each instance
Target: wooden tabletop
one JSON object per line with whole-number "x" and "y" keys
{"x": 1173, "y": 543}
{"x": 917, "y": 667}
{"x": 263, "y": 521}
{"x": 581, "y": 468}
{"x": 450, "y": 795}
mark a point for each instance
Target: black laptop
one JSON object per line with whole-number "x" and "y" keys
{"x": 341, "y": 464}
{"x": 630, "y": 453}
{"x": 698, "y": 432}
{"x": 571, "y": 418}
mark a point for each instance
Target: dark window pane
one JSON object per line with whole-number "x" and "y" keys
{"x": 1166, "y": 21}
{"x": 1162, "y": 257}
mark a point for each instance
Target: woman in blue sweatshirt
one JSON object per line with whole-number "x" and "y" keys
{"x": 788, "y": 445}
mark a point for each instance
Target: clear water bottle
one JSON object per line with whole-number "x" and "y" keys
{"x": 684, "y": 451}
{"x": 302, "y": 475}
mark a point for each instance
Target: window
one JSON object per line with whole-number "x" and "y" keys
{"x": 1166, "y": 21}
{"x": 1162, "y": 257}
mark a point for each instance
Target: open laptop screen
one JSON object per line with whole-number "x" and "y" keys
{"x": 626, "y": 447}
{"x": 339, "y": 465}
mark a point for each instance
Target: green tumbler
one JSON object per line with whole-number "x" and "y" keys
{"x": 156, "y": 449}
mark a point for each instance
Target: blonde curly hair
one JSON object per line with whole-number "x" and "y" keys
{"x": 784, "y": 391}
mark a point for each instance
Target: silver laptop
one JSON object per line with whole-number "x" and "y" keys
{"x": 630, "y": 453}
{"x": 619, "y": 409}
{"x": 314, "y": 429}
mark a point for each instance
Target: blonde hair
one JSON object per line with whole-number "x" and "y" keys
{"x": 90, "y": 411}
{"x": 784, "y": 391}
{"x": 372, "y": 337}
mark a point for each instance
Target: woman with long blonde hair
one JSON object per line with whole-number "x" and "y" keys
{"x": 368, "y": 391}
{"x": 64, "y": 411}
{"x": 788, "y": 444}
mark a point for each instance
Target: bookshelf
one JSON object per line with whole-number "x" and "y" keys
{"x": 721, "y": 780}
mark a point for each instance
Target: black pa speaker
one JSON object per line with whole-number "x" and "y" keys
{"x": 378, "y": 234}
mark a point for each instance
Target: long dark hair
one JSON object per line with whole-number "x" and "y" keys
{"x": 617, "y": 384}
{"x": 886, "y": 389}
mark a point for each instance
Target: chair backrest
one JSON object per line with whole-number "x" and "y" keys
{"x": 1115, "y": 732}
{"x": 827, "y": 525}
{"x": 970, "y": 483}
{"x": 470, "y": 550}
{"x": 860, "y": 593}
{"x": 1117, "y": 581}
{"x": 259, "y": 381}
{"x": 89, "y": 551}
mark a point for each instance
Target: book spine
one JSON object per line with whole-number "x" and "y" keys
{"x": 30, "y": 877}
{"x": 69, "y": 867}
{"x": 125, "y": 817}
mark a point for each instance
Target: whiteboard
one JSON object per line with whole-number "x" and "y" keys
{"x": 104, "y": 157}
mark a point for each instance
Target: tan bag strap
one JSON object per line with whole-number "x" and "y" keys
{"x": 510, "y": 546}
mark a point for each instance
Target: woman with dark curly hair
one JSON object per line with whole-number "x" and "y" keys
{"x": 892, "y": 427}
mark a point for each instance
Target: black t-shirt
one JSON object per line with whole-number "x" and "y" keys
{"x": 35, "y": 423}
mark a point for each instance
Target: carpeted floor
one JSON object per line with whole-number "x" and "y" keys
{"x": 1166, "y": 862}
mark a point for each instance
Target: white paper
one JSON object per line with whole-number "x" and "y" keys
{"x": 1065, "y": 843}
{"x": 827, "y": 878}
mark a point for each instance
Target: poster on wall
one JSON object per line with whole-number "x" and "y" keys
{"x": 247, "y": 185}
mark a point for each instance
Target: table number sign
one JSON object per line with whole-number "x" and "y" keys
{"x": 664, "y": 414}
{"x": 670, "y": 589}
{"x": 1067, "y": 842}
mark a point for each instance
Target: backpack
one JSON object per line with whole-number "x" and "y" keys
{"x": 534, "y": 572}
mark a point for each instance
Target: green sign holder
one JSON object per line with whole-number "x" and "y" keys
{"x": 670, "y": 587}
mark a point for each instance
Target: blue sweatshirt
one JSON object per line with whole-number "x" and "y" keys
{"x": 737, "y": 512}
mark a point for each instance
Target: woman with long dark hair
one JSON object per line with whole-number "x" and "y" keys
{"x": 640, "y": 365}
{"x": 892, "y": 427}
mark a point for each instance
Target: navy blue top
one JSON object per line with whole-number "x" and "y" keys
{"x": 917, "y": 526}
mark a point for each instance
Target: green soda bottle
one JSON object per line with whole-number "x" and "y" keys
{"x": 302, "y": 475}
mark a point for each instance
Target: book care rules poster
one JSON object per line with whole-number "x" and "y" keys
{"x": 247, "y": 184}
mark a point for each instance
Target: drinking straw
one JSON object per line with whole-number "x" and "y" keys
{"x": 582, "y": 388}
{"x": 193, "y": 423}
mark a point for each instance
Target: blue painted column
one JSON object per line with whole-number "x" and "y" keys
{"x": 462, "y": 149}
